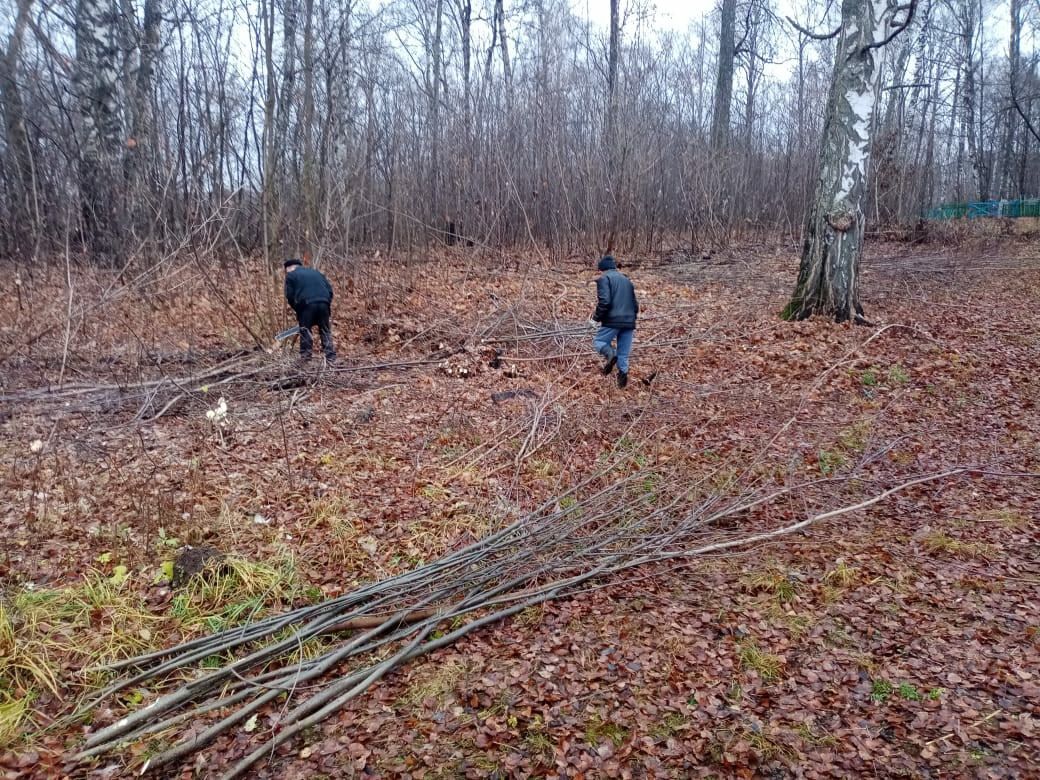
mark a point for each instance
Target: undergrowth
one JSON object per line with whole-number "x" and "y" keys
{"x": 55, "y": 643}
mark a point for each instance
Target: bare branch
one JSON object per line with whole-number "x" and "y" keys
{"x": 919, "y": 84}
{"x": 1021, "y": 112}
{"x": 909, "y": 8}
{"x": 811, "y": 34}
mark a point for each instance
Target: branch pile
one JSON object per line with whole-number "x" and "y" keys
{"x": 598, "y": 528}
{"x": 242, "y": 375}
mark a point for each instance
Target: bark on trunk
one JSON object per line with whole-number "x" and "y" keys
{"x": 612, "y": 184}
{"x": 25, "y": 215}
{"x": 829, "y": 271}
{"x": 143, "y": 145}
{"x": 438, "y": 216}
{"x": 612, "y": 71}
{"x": 270, "y": 205}
{"x": 507, "y": 68}
{"x": 724, "y": 78}
{"x": 312, "y": 244}
{"x": 101, "y": 137}
{"x": 970, "y": 64}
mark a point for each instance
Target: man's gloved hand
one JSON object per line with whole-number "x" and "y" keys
{"x": 593, "y": 324}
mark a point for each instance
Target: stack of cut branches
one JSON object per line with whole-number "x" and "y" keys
{"x": 598, "y": 528}
{"x": 244, "y": 375}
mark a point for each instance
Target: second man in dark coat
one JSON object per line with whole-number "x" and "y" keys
{"x": 616, "y": 313}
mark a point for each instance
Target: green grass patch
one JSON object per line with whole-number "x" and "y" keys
{"x": 842, "y": 575}
{"x": 854, "y": 438}
{"x": 909, "y": 692}
{"x": 105, "y": 618}
{"x": 766, "y": 747}
{"x": 814, "y": 737}
{"x": 531, "y": 616}
{"x": 671, "y": 725}
{"x": 774, "y": 582}
{"x": 939, "y": 542}
{"x": 1008, "y": 518}
{"x": 436, "y": 683}
{"x": 897, "y": 375}
{"x": 539, "y": 745}
{"x": 598, "y": 730}
{"x": 765, "y": 665}
{"x": 880, "y": 691}
{"x": 14, "y": 715}
{"x": 831, "y": 461}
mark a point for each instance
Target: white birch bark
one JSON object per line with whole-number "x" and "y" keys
{"x": 102, "y": 142}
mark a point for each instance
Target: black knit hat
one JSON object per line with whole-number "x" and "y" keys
{"x": 607, "y": 263}
{"x": 291, "y": 262}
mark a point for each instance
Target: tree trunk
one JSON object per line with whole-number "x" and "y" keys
{"x": 436, "y": 54}
{"x": 724, "y": 78}
{"x": 507, "y": 68}
{"x": 309, "y": 180}
{"x": 143, "y": 146}
{"x": 613, "y": 186}
{"x": 101, "y": 137}
{"x": 828, "y": 275}
{"x": 462, "y": 182}
{"x": 1008, "y": 178}
{"x": 970, "y": 34}
{"x": 25, "y": 216}
{"x": 612, "y": 71}
{"x": 286, "y": 147}
{"x": 270, "y": 149}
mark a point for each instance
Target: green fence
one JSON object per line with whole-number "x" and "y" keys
{"x": 986, "y": 208}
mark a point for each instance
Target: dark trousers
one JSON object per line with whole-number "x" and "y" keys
{"x": 309, "y": 315}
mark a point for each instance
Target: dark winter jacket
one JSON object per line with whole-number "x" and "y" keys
{"x": 616, "y": 304}
{"x": 305, "y": 286}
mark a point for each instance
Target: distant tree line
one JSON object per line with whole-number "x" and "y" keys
{"x": 133, "y": 129}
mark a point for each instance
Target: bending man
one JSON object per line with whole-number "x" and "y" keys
{"x": 310, "y": 296}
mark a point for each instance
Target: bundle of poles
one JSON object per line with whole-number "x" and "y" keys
{"x": 602, "y": 526}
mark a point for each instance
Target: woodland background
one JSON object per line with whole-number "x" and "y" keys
{"x": 308, "y": 127}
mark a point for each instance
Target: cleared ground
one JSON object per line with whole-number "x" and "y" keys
{"x": 902, "y": 640}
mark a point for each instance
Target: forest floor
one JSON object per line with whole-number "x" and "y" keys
{"x": 902, "y": 640}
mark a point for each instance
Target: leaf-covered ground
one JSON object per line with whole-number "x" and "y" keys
{"x": 902, "y": 640}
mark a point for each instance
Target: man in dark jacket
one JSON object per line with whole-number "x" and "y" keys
{"x": 616, "y": 313}
{"x": 310, "y": 296}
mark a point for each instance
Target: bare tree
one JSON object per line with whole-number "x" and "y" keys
{"x": 144, "y": 142}
{"x": 967, "y": 15}
{"x": 25, "y": 217}
{"x": 724, "y": 75}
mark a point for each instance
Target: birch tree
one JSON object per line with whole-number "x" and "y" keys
{"x": 101, "y": 134}
{"x": 828, "y": 277}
